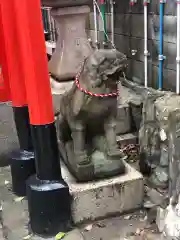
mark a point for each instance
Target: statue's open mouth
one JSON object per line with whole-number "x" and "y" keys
{"x": 116, "y": 67}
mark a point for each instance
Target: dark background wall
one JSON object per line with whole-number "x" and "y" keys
{"x": 129, "y": 38}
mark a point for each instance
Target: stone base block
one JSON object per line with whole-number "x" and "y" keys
{"x": 114, "y": 196}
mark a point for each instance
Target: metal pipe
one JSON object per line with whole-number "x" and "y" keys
{"x": 161, "y": 56}
{"x": 146, "y": 53}
{"x": 102, "y": 7}
{"x": 178, "y": 49}
{"x": 112, "y": 21}
{"x": 95, "y": 23}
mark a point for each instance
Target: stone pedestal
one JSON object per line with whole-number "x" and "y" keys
{"x": 108, "y": 197}
{"x": 72, "y": 45}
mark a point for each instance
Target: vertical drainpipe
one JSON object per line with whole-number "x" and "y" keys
{"x": 95, "y": 24}
{"x": 112, "y": 21}
{"x": 178, "y": 49}
{"x": 102, "y": 7}
{"x": 161, "y": 56}
{"x": 146, "y": 53}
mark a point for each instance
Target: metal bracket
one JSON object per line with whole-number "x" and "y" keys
{"x": 133, "y": 52}
{"x": 178, "y": 59}
{"x": 162, "y": 1}
{"x": 146, "y": 53}
{"x": 161, "y": 57}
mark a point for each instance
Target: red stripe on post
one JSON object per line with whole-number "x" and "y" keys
{"x": 34, "y": 60}
{"x": 11, "y": 65}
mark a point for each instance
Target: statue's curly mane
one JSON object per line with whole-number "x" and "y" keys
{"x": 94, "y": 71}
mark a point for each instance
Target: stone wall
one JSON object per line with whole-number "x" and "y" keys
{"x": 129, "y": 34}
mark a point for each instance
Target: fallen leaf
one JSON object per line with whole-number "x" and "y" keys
{"x": 6, "y": 182}
{"x": 138, "y": 231}
{"x": 28, "y": 237}
{"x": 128, "y": 217}
{"x": 18, "y": 199}
{"x": 89, "y": 227}
{"x": 143, "y": 219}
{"x": 60, "y": 236}
{"x": 142, "y": 232}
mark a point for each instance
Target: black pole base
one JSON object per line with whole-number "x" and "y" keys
{"x": 22, "y": 167}
{"x": 49, "y": 206}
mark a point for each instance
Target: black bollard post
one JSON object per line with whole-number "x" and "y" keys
{"x": 22, "y": 160}
{"x": 47, "y": 193}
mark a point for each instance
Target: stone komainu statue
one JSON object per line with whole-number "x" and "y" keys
{"x": 87, "y": 118}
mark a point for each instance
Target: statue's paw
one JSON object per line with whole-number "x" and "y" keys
{"x": 82, "y": 158}
{"x": 85, "y": 172}
{"x": 117, "y": 153}
{"x": 84, "y": 167}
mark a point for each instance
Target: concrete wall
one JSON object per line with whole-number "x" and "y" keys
{"x": 129, "y": 34}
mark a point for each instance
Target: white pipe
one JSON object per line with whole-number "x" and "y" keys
{"x": 95, "y": 23}
{"x": 178, "y": 49}
{"x": 145, "y": 45}
{"x": 112, "y": 22}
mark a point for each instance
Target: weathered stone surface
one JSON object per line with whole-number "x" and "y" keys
{"x": 174, "y": 157}
{"x": 154, "y": 136}
{"x": 171, "y": 224}
{"x": 151, "y": 215}
{"x": 100, "y": 199}
{"x": 65, "y": 3}
{"x": 158, "y": 198}
{"x": 72, "y": 46}
{"x": 123, "y": 119}
{"x": 130, "y": 97}
{"x": 160, "y": 219}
